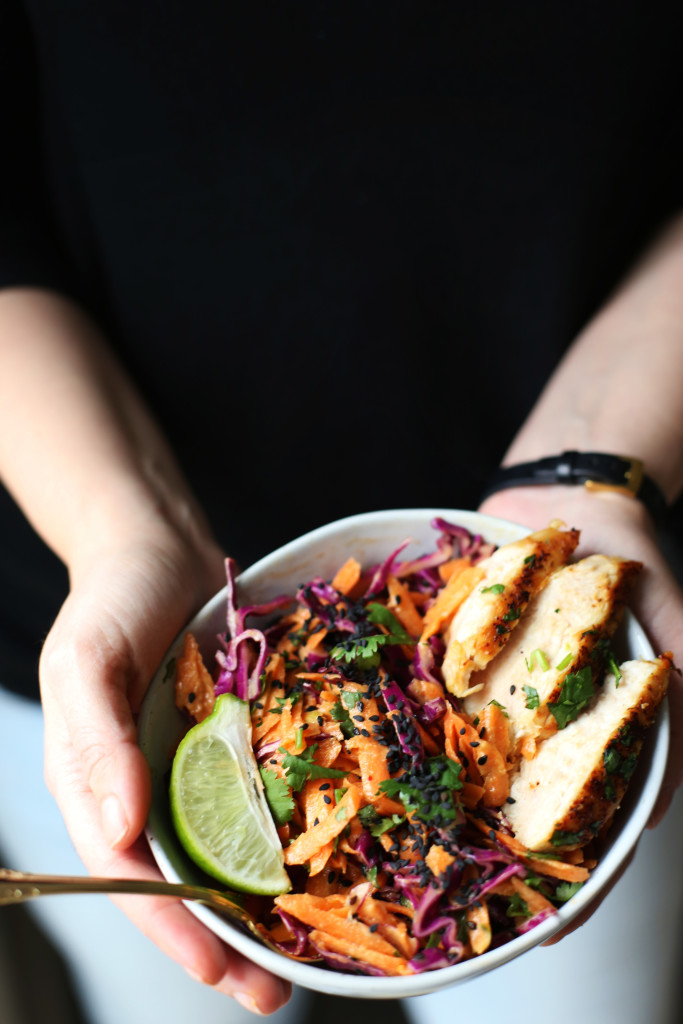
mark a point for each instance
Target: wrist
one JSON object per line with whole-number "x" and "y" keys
{"x": 134, "y": 512}
{"x": 536, "y": 506}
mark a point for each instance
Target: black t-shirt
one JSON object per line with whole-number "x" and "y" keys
{"x": 340, "y": 247}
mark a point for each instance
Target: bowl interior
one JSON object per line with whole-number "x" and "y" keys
{"x": 369, "y": 538}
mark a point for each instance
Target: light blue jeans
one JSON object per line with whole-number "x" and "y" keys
{"x": 620, "y": 967}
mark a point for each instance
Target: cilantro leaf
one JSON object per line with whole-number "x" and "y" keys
{"x": 615, "y": 764}
{"x": 611, "y": 760}
{"x": 371, "y": 875}
{"x": 604, "y": 648}
{"x": 532, "y": 699}
{"x": 497, "y": 704}
{"x": 278, "y": 796}
{"x": 377, "y": 826}
{"x": 560, "y": 838}
{"x": 518, "y": 907}
{"x": 341, "y": 715}
{"x": 430, "y": 793}
{"x": 535, "y": 882}
{"x": 300, "y": 767}
{"x": 495, "y": 588}
{"x": 576, "y": 694}
{"x": 565, "y": 890}
{"x": 381, "y": 616}
{"x": 364, "y": 651}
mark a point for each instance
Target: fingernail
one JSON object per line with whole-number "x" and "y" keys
{"x": 195, "y": 977}
{"x": 114, "y": 821}
{"x": 248, "y": 1002}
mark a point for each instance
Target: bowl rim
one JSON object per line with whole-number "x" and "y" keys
{"x": 326, "y": 980}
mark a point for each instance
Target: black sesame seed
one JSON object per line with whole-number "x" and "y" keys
{"x": 510, "y": 800}
{"x": 319, "y": 719}
{"x": 474, "y": 743}
{"x": 512, "y": 689}
{"x": 492, "y": 834}
{"x": 324, "y": 786}
{"x": 358, "y": 718}
{"x": 483, "y": 759}
{"x": 373, "y": 927}
{"x": 273, "y": 760}
{"x": 356, "y": 732}
{"x": 191, "y": 698}
{"x": 463, "y": 731}
{"x": 327, "y": 799}
{"x": 374, "y": 718}
{"x": 364, "y": 732}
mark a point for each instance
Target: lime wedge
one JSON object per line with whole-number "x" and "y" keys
{"x": 218, "y": 805}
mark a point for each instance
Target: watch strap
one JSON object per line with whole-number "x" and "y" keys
{"x": 595, "y": 470}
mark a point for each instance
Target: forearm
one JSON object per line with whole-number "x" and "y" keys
{"x": 78, "y": 449}
{"x": 620, "y": 387}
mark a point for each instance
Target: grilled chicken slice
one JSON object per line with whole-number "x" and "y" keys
{"x": 512, "y": 576}
{"x": 573, "y": 786}
{"x": 562, "y": 631}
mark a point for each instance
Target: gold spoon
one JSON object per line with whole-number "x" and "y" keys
{"x": 17, "y": 887}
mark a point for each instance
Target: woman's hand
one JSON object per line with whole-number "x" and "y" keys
{"x": 127, "y": 603}
{"x": 616, "y": 525}
{"x": 87, "y": 463}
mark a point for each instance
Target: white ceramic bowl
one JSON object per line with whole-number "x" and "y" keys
{"x": 370, "y": 538}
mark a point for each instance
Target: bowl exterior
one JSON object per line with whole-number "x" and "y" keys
{"x": 369, "y": 537}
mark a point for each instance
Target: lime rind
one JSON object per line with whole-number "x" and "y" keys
{"x": 219, "y": 807}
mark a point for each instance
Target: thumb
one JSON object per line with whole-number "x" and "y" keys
{"x": 89, "y": 723}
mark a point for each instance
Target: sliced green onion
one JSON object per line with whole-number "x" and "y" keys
{"x": 567, "y": 660}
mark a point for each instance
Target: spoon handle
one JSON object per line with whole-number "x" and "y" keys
{"x": 18, "y": 886}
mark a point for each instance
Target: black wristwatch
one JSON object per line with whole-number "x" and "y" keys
{"x": 595, "y": 470}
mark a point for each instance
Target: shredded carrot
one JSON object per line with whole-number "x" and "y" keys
{"x": 329, "y": 827}
{"x": 452, "y": 567}
{"x": 314, "y": 911}
{"x": 393, "y": 964}
{"x": 438, "y": 860}
{"x": 347, "y": 577}
{"x": 479, "y": 925}
{"x": 458, "y": 588}
{"x": 401, "y": 604}
{"x": 546, "y": 866}
{"x": 194, "y": 686}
